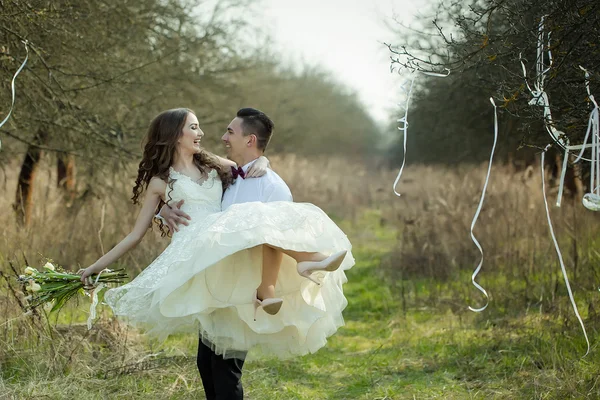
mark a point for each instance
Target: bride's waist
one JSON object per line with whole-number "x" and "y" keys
{"x": 199, "y": 220}
{"x": 200, "y": 210}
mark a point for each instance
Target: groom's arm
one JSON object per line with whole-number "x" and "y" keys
{"x": 173, "y": 216}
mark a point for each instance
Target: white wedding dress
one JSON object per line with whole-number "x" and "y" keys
{"x": 205, "y": 279}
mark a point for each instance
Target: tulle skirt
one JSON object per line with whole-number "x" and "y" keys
{"x": 205, "y": 280}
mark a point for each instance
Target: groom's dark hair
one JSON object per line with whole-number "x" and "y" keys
{"x": 258, "y": 123}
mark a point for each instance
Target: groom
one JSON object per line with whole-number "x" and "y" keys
{"x": 246, "y": 139}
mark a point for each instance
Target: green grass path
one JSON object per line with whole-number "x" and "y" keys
{"x": 381, "y": 353}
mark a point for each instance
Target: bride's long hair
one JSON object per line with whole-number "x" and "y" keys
{"x": 160, "y": 146}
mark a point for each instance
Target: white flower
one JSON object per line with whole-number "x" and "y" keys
{"x": 22, "y": 277}
{"x": 30, "y": 271}
{"x": 33, "y": 287}
{"x": 49, "y": 266}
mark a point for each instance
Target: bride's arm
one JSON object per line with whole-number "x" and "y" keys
{"x": 155, "y": 191}
{"x": 259, "y": 168}
{"x": 225, "y": 163}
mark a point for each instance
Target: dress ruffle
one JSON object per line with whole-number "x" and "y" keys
{"x": 205, "y": 280}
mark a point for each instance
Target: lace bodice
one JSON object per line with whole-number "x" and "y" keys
{"x": 200, "y": 199}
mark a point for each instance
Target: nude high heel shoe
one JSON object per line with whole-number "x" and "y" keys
{"x": 331, "y": 263}
{"x": 270, "y": 306}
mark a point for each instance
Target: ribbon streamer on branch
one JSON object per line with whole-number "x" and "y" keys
{"x": 560, "y": 258}
{"x": 591, "y": 200}
{"x": 403, "y": 127}
{"x": 404, "y": 120}
{"x": 12, "y": 87}
{"x": 487, "y": 179}
{"x": 540, "y": 98}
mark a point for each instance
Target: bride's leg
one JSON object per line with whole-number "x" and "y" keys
{"x": 309, "y": 262}
{"x": 270, "y": 271}
{"x": 299, "y": 256}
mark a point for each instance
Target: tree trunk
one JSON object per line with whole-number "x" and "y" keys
{"x": 577, "y": 179}
{"x": 65, "y": 177}
{"x": 24, "y": 196}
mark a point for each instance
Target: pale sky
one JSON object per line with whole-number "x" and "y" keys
{"x": 345, "y": 37}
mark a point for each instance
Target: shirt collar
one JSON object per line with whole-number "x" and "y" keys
{"x": 247, "y": 166}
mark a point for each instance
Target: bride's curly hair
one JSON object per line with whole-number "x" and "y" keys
{"x": 160, "y": 146}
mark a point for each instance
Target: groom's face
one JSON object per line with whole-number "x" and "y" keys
{"x": 235, "y": 141}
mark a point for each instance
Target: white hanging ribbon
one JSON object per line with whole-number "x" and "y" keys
{"x": 562, "y": 264}
{"x": 404, "y": 129}
{"x": 96, "y": 289}
{"x": 487, "y": 179}
{"x": 563, "y": 173}
{"x": 540, "y": 98}
{"x": 437, "y": 74}
{"x": 591, "y": 200}
{"x": 94, "y": 304}
{"x": 12, "y": 86}
{"x": 404, "y": 120}
{"x": 593, "y": 119}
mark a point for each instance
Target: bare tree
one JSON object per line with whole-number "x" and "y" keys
{"x": 98, "y": 70}
{"x": 482, "y": 42}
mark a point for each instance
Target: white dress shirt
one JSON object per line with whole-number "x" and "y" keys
{"x": 269, "y": 187}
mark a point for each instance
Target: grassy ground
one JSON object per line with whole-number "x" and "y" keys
{"x": 385, "y": 351}
{"x": 408, "y": 332}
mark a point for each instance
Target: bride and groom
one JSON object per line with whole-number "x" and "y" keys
{"x": 240, "y": 254}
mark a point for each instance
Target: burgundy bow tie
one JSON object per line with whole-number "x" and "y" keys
{"x": 238, "y": 172}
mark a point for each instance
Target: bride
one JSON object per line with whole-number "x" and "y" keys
{"x": 208, "y": 276}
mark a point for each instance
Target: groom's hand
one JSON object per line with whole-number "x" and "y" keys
{"x": 174, "y": 216}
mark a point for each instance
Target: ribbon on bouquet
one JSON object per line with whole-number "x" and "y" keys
{"x": 94, "y": 294}
{"x": 12, "y": 86}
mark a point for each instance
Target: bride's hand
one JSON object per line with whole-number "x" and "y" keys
{"x": 85, "y": 274}
{"x": 259, "y": 168}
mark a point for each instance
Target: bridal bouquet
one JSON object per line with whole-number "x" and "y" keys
{"x": 54, "y": 285}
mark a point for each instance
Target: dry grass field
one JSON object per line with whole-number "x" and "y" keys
{"x": 408, "y": 332}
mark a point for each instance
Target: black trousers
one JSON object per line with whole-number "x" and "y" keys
{"x": 221, "y": 378}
